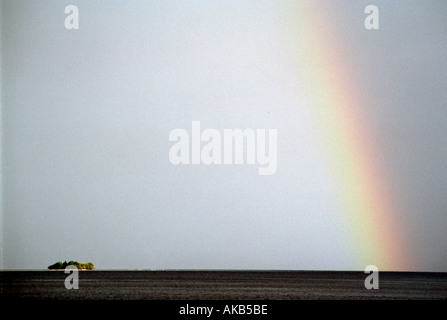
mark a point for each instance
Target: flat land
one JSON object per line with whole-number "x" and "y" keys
{"x": 221, "y": 285}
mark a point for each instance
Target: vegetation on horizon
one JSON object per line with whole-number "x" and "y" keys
{"x": 79, "y": 265}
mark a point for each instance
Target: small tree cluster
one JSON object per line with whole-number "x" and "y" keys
{"x": 79, "y": 265}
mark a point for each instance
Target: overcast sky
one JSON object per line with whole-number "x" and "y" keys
{"x": 87, "y": 115}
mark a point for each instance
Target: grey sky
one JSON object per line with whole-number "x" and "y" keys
{"x": 87, "y": 114}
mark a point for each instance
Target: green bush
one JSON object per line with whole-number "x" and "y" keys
{"x": 79, "y": 265}
{"x": 57, "y": 265}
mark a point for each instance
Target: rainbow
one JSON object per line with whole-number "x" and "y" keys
{"x": 369, "y": 212}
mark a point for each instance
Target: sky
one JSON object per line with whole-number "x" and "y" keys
{"x": 361, "y": 120}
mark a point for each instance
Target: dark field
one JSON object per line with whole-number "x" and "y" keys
{"x": 222, "y": 285}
